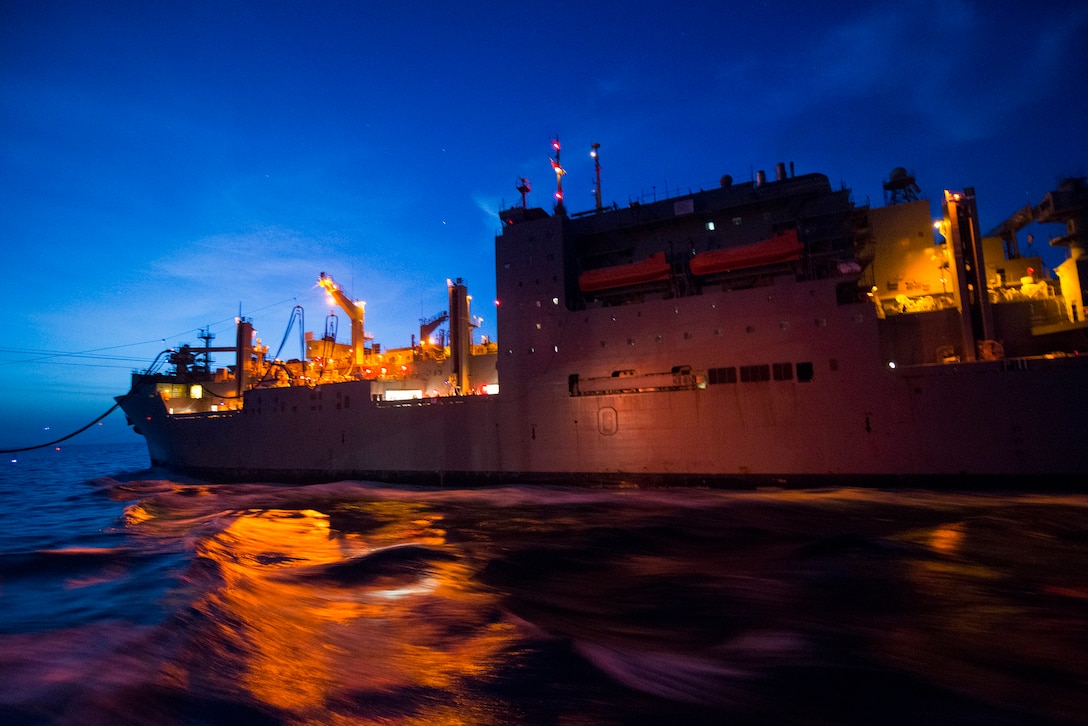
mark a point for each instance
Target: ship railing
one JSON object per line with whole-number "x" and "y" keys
{"x": 430, "y": 401}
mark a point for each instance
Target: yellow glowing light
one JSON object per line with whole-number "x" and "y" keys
{"x": 196, "y": 391}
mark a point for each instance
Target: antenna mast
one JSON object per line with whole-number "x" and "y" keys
{"x": 597, "y": 170}
{"x": 559, "y": 172}
{"x": 524, "y": 187}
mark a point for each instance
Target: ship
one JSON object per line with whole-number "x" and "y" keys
{"x": 770, "y": 332}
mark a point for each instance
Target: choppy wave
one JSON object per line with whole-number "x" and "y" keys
{"x": 358, "y": 602}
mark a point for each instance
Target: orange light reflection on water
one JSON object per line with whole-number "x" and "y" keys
{"x": 309, "y": 620}
{"x": 947, "y": 539}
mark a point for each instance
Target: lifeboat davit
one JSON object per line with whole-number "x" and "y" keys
{"x": 783, "y": 247}
{"x": 652, "y": 269}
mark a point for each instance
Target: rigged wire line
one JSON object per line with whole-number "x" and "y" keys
{"x": 92, "y": 354}
{"x": 44, "y": 355}
{"x": 150, "y": 369}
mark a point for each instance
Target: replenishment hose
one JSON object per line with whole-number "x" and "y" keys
{"x": 150, "y": 368}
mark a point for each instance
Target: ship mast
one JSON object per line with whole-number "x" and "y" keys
{"x": 524, "y": 187}
{"x": 597, "y": 171}
{"x": 559, "y": 173}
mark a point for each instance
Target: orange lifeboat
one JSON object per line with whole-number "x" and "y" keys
{"x": 652, "y": 269}
{"x": 784, "y": 247}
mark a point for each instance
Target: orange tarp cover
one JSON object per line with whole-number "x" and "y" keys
{"x": 782, "y": 247}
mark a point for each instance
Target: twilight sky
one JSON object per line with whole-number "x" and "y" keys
{"x": 165, "y": 164}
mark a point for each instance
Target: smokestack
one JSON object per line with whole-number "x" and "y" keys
{"x": 780, "y": 171}
{"x": 460, "y": 334}
{"x": 243, "y": 350}
{"x": 761, "y": 178}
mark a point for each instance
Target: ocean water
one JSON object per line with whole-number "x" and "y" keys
{"x": 133, "y": 596}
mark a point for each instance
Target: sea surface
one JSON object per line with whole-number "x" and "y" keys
{"x": 129, "y": 595}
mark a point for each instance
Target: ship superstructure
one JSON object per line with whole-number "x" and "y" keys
{"x": 761, "y": 331}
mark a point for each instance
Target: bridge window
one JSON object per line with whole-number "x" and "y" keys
{"x": 755, "y": 374}
{"x": 721, "y": 375}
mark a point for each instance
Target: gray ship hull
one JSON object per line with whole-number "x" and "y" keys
{"x": 759, "y": 333}
{"x": 962, "y": 423}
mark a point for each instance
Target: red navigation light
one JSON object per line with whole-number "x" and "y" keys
{"x": 555, "y": 144}
{"x": 559, "y": 196}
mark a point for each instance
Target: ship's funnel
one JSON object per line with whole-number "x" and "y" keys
{"x": 460, "y": 334}
{"x": 244, "y": 349}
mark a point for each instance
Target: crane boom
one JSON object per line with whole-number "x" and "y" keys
{"x": 355, "y": 310}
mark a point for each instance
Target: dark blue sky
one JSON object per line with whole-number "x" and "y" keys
{"x": 162, "y": 164}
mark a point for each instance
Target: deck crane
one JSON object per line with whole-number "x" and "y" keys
{"x": 356, "y": 311}
{"x": 428, "y": 326}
